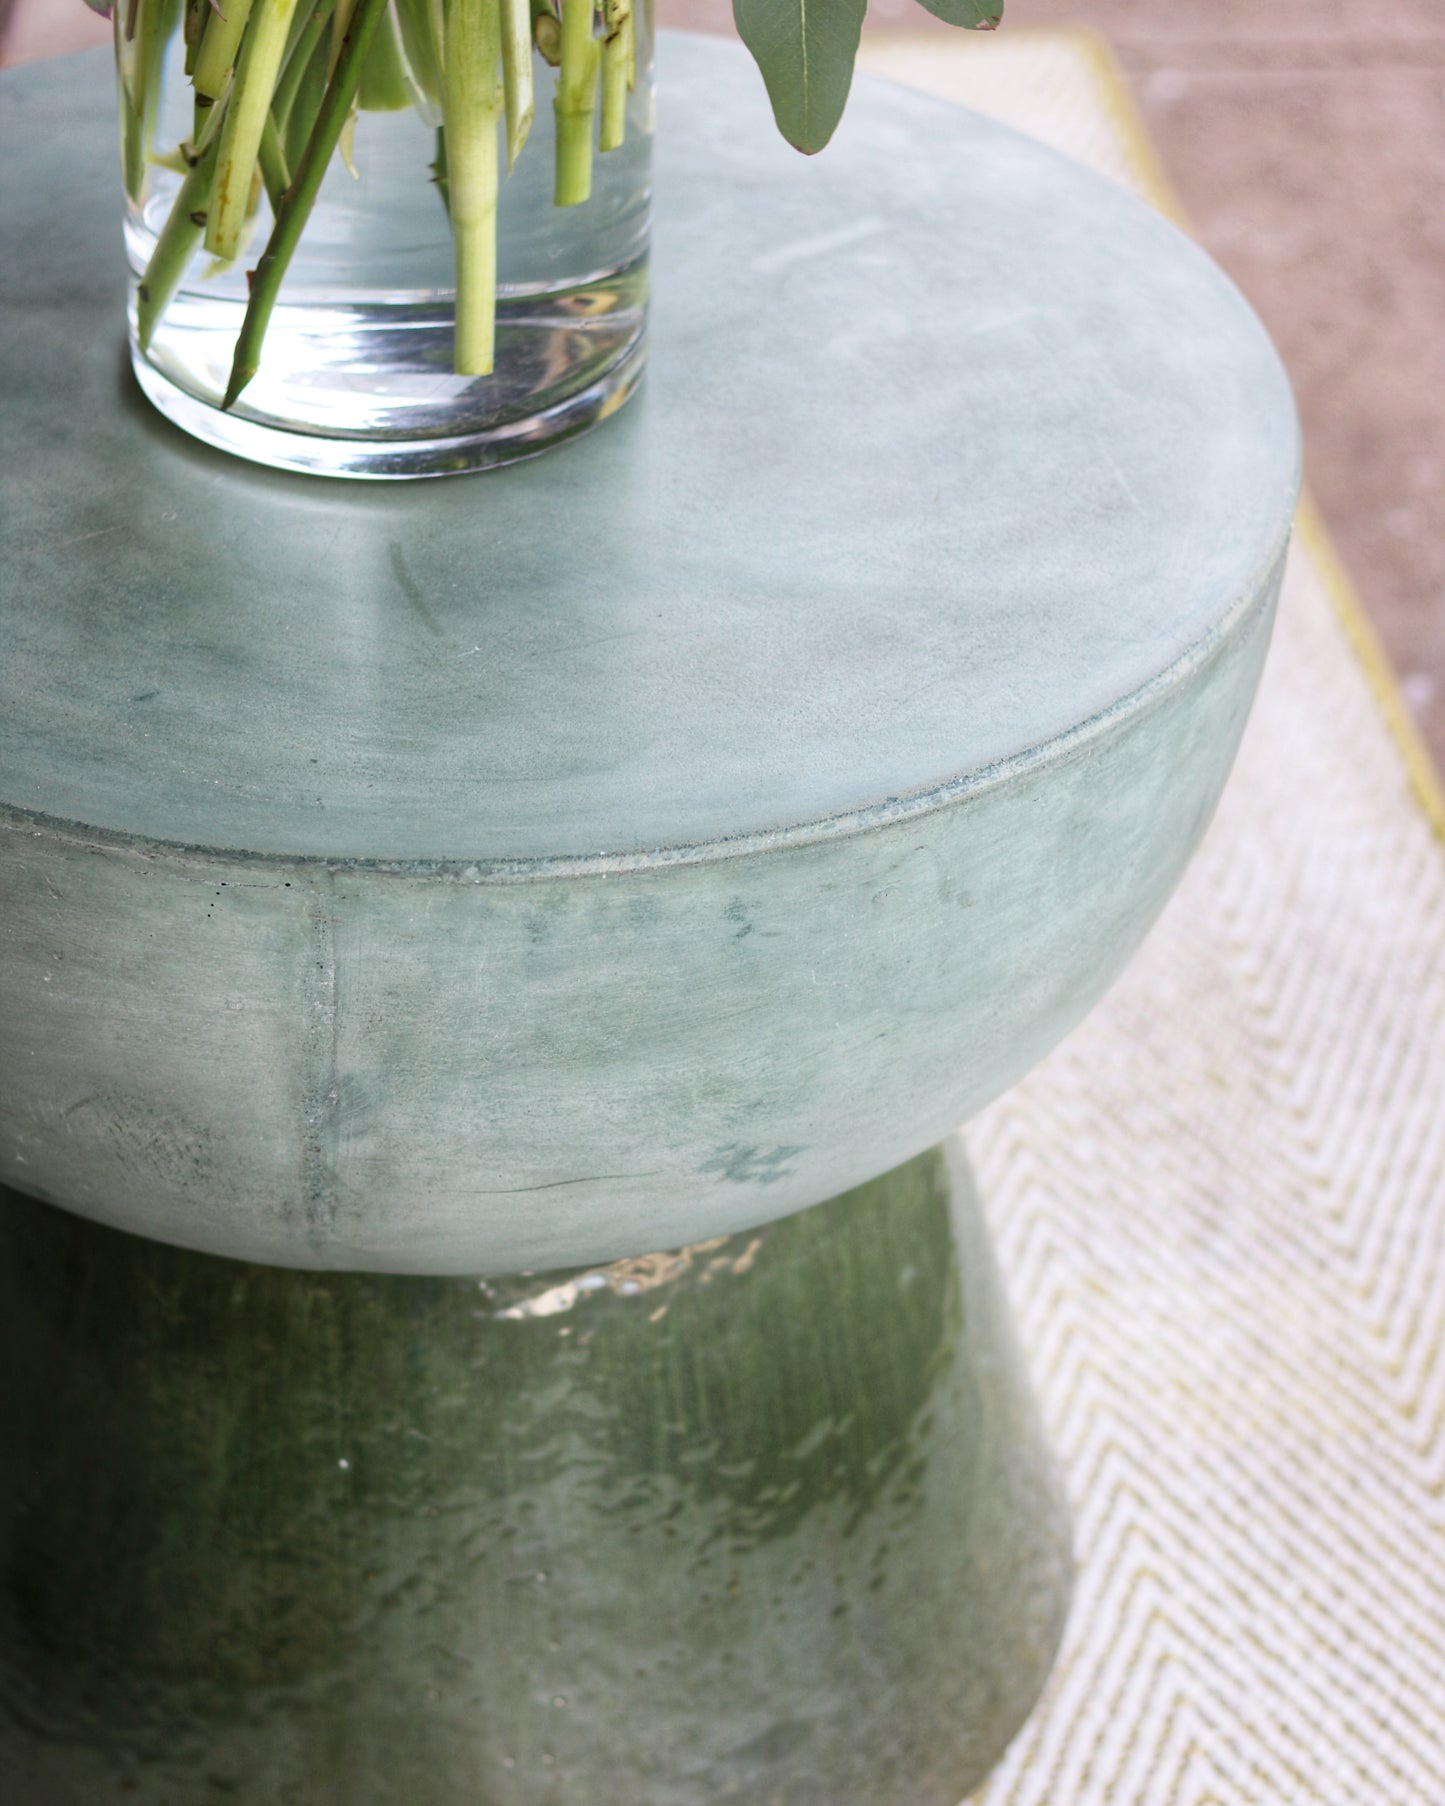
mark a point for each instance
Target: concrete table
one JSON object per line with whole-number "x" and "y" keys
{"x": 516, "y": 876}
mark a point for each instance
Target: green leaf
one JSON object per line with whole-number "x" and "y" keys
{"x": 805, "y": 49}
{"x": 972, "y": 15}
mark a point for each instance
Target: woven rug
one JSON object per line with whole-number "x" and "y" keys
{"x": 1221, "y": 1209}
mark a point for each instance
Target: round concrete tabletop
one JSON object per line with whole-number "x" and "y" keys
{"x": 946, "y": 447}
{"x": 951, "y": 458}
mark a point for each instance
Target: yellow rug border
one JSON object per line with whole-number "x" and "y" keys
{"x": 1154, "y": 181}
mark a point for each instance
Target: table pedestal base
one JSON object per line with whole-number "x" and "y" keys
{"x": 767, "y": 1520}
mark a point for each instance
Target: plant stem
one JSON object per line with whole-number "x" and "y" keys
{"x": 132, "y": 102}
{"x": 575, "y": 104}
{"x": 439, "y": 172}
{"x": 517, "y": 74}
{"x": 140, "y": 60}
{"x": 303, "y": 102}
{"x": 300, "y": 19}
{"x": 216, "y": 57}
{"x": 274, "y": 172}
{"x": 207, "y": 134}
{"x": 617, "y": 18}
{"x": 303, "y": 48}
{"x": 301, "y": 196}
{"x": 340, "y": 24}
{"x": 178, "y": 239}
{"x": 245, "y": 125}
{"x": 471, "y": 115}
{"x": 194, "y": 31}
{"x": 546, "y": 33}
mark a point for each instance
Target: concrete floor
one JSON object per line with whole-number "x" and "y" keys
{"x": 1307, "y": 138}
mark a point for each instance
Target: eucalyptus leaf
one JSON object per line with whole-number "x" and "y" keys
{"x": 805, "y": 50}
{"x": 972, "y": 15}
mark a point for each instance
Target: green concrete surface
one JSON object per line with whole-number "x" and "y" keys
{"x": 766, "y": 1520}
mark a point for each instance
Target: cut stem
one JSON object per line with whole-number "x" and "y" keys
{"x": 575, "y": 104}
{"x": 300, "y": 198}
{"x": 302, "y": 100}
{"x": 298, "y": 57}
{"x": 217, "y": 55}
{"x": 616, "y": 66}
{"x": 274, "y": 173}
{"x": 340, "y": 24}
{"x": 193, "y": 31}
{"x": 141, "y": 63}
{"x": 132, "y": 103}
{"x": 517, "y": 74}
{"x": 245, "y": 125}
{"x": 471, "y": 114}
{"x": 178, "y": 239}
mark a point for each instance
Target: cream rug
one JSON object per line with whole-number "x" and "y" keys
{"x": 1221, "y": 1208}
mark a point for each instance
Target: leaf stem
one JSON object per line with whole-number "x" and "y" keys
{"x": 517, "y": 74}
{"x": 272, "y": 157}
{"x": 193, "y": 32}
{"x": 178, "y": 239}
{"x": 302, "y": 49}
{"x": 216, "y": 57}
{"x": 301, "y": 196}
{"x": 471, "y": 115}
{"x": 303, "y": 101}
{"x": 575, "y": 104}
{"x": 616, "y": 66}
{"x": 245, "y": 125}
{"x": 140, "y": 56}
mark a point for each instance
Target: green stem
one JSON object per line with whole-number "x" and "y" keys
{"x": 274, "y": 172}
{"x": 149, "y": 27}
{"x": 546, "y": 33}
{"x": 217, "y": 55}
{"x": 300, "y": 19}
{"x": 439, "y": 172}
{"x": 194, "y": 31}
{"x": 304, "y": 100}
{"x": 303, "y": 48}
{"x": 301, "y": 196}
{"x": 208, "y": 131}
{"x": 245, "y": 125}
{"x": 575, "y": 104}
{"x": 471, "y": 116}
{"x": 616, "y": 61}
{"x": 132, "y": 131}
{"x": 517, "y": 74}
{"x": 178, "y": 239}
{"x": 340, "y": 25}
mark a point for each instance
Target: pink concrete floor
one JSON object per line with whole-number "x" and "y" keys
{"x": 1307, "y": 138}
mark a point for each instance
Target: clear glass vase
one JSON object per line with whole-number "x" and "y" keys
{"x": 357, "y": 371}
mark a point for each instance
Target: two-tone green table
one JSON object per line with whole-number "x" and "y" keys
{"x": 421, "y": 904}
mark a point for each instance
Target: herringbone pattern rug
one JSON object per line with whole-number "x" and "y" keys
{"x": 1221, "y": 1209}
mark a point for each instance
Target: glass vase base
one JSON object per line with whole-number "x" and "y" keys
{"x": 367, "y": 390}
